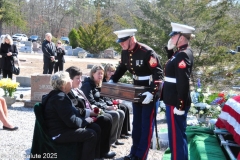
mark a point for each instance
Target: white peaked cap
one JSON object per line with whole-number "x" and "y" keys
{"x": 123, "y": 35}
{"x": 181, "y": 28}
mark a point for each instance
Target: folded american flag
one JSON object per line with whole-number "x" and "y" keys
{"x": 229, "y": 118}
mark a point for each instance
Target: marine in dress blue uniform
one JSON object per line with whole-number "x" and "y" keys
{"x": 144, "y": 64}
{"x": 176, "y": 94}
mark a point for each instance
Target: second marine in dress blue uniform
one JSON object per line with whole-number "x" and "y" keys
{"x": 176, "y": 91}
{"x": 144, "y": 64}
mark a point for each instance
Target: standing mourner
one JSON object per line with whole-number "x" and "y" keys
{"x": 176, "y": 94}
{"x": 141, "y": 61}
{"x": 8, "y": 50}
{"x": 59, "y": 58}
{"x": 49, "y": 53}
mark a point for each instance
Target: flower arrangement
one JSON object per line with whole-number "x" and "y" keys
{"x": 8, "y": 86}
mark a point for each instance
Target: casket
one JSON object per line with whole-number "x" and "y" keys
{"x": 123, "y": 91}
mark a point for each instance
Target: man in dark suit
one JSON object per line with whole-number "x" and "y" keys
{"x": 49, "y": 53}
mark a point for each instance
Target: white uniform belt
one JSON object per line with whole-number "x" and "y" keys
{"x": 171, "y": 80}
{"x": 141, "y": 77}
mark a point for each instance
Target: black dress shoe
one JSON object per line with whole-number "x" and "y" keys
{"x": 109, "y": 155}
{"x": 124, "y": 137}
{"x": 113, "y": 145}
{"x": 10, "y": 129}
{"x": 129, "y": 157}
{"x": 119, "y": 143}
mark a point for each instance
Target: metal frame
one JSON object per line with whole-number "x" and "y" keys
{"x": 226, "y": 143}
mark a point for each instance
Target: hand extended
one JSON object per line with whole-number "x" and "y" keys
{"x": 93, "y": 114}
{"x": 178, "y": 112}
{"x": 148, "y": 98}
{"x": 89, "y": 119}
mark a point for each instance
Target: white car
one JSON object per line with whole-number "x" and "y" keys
{"x": 20, "y": 37}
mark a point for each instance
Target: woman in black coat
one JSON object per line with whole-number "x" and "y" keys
{"x": 59, "y": 58}
{"x": 87, "y": 110}
{"x": 109, "y": 70}
{"x": 64, "y": 122}
{"x": 91, "y": 88}
{"x": 8, "y": 51}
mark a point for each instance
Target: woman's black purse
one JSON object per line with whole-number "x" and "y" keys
{"x": 15, "y": 66}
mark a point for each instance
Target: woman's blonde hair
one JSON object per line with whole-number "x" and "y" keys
{"x": 9, "y": 38}
{"x": 94, "y": 69}
{"x": 108, "y": 67}
{"x": 59, "y": 79}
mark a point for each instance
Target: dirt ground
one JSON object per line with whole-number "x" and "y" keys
{"x": 32, "y": 64}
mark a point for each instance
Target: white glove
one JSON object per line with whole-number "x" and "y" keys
{"x": 110, "y": 81}
{"x": 178, "y": 112}
{"x": 148, "y": 98}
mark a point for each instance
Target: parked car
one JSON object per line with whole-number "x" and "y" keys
{"x": 20, "y": 37}
{"x": 65, "y": 40}
{"x": 231, "y": 51}
{"x": 2, "y": 36}
{"x": 34, "y": 38}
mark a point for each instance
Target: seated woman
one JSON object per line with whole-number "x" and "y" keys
{"x": 63, "y": 121}
{"x": 109, "y": 70}
{"x": 3, "y": 116}
{"x": 91, "y": 88}
{"x": 86, "y": 110}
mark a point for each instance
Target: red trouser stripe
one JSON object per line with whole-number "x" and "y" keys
{"x": 149, "y": 134}
{"x": 173, "y": 134}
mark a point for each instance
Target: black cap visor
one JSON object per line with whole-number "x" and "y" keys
{"x": 123, "y": 39}
{"x": 173, "y": 33}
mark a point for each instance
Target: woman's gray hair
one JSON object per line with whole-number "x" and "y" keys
{"x": 7, "y": 36}
{"x": 59, "y": 79}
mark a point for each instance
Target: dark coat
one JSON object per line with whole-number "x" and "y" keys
{"x": 179, "y": 67}
{"x": 92, "y": 93}
{"x": 141, "y": 61}
{"x": 80, "y": 103}
{"x": 60, "y": 114}
{"x": 49, "y": 49}
{"x": 42, "y": 143}
{"x": 7, "y": 61}
{"x": 60, "y": 55}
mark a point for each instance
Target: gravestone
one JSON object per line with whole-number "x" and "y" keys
{"x": 26, "y": 47}
{"x": 77, "y": 50}
{"x": 36, "y": 47}
{"x": 40, "y": 85}
{"x": 82, "y": 54}
{"x": 69, "y": 50}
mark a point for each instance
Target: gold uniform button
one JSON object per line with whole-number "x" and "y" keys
{"x": 130, "y": 54}
{"x": 131, "y": 59}
{"x": 131, "y": 63}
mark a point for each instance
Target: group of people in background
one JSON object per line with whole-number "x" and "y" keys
{"x": 53, "y": 55}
